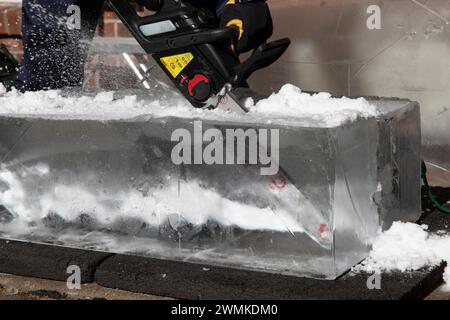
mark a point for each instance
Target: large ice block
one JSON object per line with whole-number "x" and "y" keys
{"x": 112, "y": 185}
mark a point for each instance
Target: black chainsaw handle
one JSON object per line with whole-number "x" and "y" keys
{"x": 175, "y": 12}
{"x": 262, "y": 57}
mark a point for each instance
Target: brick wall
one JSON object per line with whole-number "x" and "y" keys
{"x": 111, "y": 26}
{"x": 10, "y": 23}
{"x": 10, "y": 19}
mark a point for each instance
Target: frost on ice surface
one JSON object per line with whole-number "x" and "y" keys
{"x": 407, "y": 247}
{"x": 290, "y": 103}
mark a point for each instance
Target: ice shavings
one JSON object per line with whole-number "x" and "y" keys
{"x": 289, "y": 104}
{"x": 320, "y": 107}
{"x": 102, "y": 106}
{"x": 407, "y": 247}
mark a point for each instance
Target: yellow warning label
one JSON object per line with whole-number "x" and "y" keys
{"x": 175, "y": 64}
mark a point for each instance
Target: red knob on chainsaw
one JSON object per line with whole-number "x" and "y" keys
{"x": 199, "y": 87}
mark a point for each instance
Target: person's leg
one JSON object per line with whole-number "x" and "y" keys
{"x": 54, "y": 53}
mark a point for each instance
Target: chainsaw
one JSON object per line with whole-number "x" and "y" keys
{"x": 194, "y": 52}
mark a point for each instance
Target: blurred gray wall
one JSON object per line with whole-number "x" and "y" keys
{"x": 334, "y": 51}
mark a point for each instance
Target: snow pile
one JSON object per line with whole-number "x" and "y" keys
{"x": 407, "y": 247}
{"x": 321, "y": 107}
{"x": 289, "y": 103}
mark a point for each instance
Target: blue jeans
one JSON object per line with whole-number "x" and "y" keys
{"x": 54, "y": 53}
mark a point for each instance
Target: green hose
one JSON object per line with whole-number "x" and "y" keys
{"x": 433, "y": 199}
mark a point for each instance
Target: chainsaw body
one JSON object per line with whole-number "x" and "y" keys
{"x": 194, "y": 52}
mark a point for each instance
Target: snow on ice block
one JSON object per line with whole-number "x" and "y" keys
{"x": 113, "y": 184}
